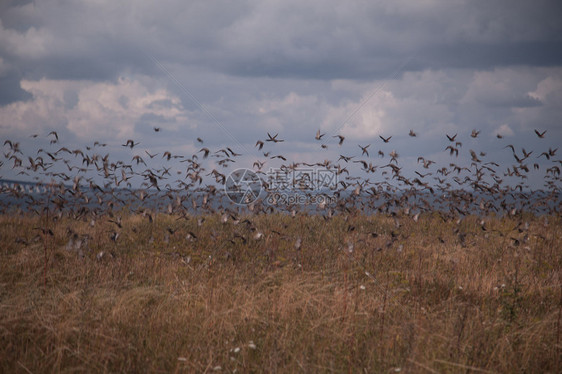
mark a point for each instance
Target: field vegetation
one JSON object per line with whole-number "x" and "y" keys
{"x": 275, "y": 293}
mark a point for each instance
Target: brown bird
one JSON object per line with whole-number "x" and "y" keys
{"x": 453, "y": 150}
{"x": 342, "y": 138}
{"x": 130, "y": 143}
{"x": 139, "y": 160}
{"x": 386, "y": 140}
{"x": 426, "y": 163}
{"x": 273, "y": 138}
{"x": 473, "y": 156}
{"x": 55, "y": 134}
{"x": 540, "y": 134}
{"x": 364, "y": 149}
{"x": 150, "y": 155}
{"x": 206, "y": 152}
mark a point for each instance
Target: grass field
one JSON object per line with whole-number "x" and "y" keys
{"x": 359, "y": 294}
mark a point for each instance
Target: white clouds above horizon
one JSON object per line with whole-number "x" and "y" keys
{"x": 427, "y": 101}
{"x": 90, "y": 110}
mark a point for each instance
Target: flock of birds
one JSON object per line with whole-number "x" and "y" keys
{"x": 87, "y": 183}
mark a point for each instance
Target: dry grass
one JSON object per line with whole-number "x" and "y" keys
{"x": 441, "y": 297}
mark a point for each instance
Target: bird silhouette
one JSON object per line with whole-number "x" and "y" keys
{"x": 205, "y": 152}
{"x": 341, "y": 139}
{"x": 273, "y": 138}
{"x": 540, "y": 134}
{"x": 130, "y": 143}
{"x": 364, "y": 149}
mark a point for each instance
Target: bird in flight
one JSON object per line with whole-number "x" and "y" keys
{"x": 205, "y": 152}
{"x": 53, "y": 141}
{"x": 412, "y": 133}
{"x": 540, "y": 134}
{"x": 364, "y": 149}
{"x": 453, "y": 150}
{"x": 451, "y": 138}
{"x": 386, "y": 140}
{"x": 151, "y": 155}
{"x": 551, "y": 153}
{"x": 474, "y": 133}
{"x": 319, "y": 136}
{"x": 273, "y": 138}
{"x": 130, "y": 143}
{"x": 342, "y": 138}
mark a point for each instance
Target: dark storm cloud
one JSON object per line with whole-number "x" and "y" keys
{"x": 104, "y": 63}
{"x": 11, "y": 91}
{"x": 331, "y": 66}
{"x": 367, "y": 42}
{"x": 324, "y": 40}
{"x": 486, "y": 56}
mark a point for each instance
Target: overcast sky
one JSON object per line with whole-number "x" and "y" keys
{"x": 229, "y": 72}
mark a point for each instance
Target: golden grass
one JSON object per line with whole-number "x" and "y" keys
{"x": 441, "y": 297}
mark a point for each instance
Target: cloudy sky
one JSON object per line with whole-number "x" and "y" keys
{"x": 230, "y": 72}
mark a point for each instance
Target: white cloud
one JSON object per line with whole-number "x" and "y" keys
{"x": 291, "y": 113}
{"x": 504, "y": 130}
{"x": 548, "y": 88}
{"x": 505, "y": 87}
{"x": 31, "y": 44}
{"x": 90, "y": 110}
{"x": 367, "y": 121}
